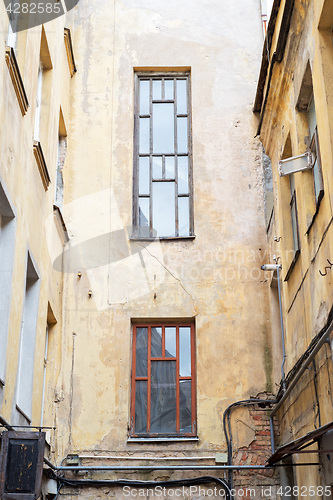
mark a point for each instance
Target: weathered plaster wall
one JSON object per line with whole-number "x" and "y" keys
{"x": 214, "y": 278}
{"x": 307, "y": 296}
{"x": 35, "y": 227}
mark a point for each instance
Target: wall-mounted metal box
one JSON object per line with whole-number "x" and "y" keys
{"x": 21, "y": 465}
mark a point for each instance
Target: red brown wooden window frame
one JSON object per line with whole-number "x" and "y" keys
{"x": 178, "y": 379}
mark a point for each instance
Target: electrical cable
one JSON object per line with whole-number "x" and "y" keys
{"x": 147, "y": 484}
{"x": 227, "y": 429}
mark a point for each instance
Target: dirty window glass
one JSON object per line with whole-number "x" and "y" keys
{"x": 163, "y": 153}
{"x": 163, "y": 383}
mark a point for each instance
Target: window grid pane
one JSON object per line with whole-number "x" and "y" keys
{"x": 163, "y": 136}
{"x": 163, "y": 399}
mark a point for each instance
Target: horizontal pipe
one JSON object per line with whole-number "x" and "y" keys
{"x": 105, "y": 457}
{"x": 157, "y": 467}
{"x": 169, "y": 467}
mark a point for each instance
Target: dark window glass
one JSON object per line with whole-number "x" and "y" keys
{"x": 162, "y": 153}
{"x": 163, "y": 387}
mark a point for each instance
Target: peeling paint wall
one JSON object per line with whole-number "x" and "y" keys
{"x": 215, "y": 278}
{"x": 307, "y": 295}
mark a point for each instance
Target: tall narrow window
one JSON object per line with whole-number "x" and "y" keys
{"x": 27, "y": 344}
{"x": 287, "y": 153}
{"x": 163, "y": 381}
{"x": 62, "y": 150}
{"x": 7, "y": 246}
{"x": 38, "y": 102}
{"x": 306, "y": 104}
{"x": 294, "y": 215}
{"x": 314, "y": 147}
{"x": 162, "y": 170}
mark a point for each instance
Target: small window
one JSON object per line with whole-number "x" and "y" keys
{"x": 315, "y": 155}
{"x": 7, "y": 249}
{"x": 162, "y": 163}
{"x": 163, "y": 381}
{"x": 306, "y": 105}
{"x": 25, "y": 377}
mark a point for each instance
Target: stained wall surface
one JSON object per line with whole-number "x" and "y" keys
{"x": 213, "y": 279}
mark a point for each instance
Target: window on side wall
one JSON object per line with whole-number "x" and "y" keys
{"x": 163, "y": 381}
{"x": 162, "y": 157}
{"x": 315, "y": 153}
{"x": 306, "y": 105}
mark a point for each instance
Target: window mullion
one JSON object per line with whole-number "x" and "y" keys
{"x": 133, "y": 382}
{"x": 163, "y": 342}
{"x": 149, "y": 381}
{"x": 175, "y": 157}
{"x": 193, "y": 378}
{"x": 177, "y": 382}
{"x": 150, "y": 158}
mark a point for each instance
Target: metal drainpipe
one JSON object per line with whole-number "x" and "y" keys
{"x": 160, "y": 467}
{"x": 282, "y": 329}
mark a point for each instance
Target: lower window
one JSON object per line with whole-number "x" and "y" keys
{"x": 163, "y": 381}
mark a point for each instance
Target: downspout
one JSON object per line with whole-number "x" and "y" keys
{"x": 282, "y": 330}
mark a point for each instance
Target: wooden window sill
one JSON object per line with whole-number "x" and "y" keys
{"x": 292, "y": 265}
{"x": 161, "y": 439}
{"x": 40, "y": 160}
{"x": 17, "y": 81}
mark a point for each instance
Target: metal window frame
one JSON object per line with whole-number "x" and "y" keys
{"x": 293, "y": 206}
{"x": 178, "y": 379}
{"x": 314, "y": 147}
{"x": 165, "y": 75}
{"x": 19, "y": 436}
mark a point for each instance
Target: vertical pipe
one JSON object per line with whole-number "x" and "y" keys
{"x": 282, "y": 330}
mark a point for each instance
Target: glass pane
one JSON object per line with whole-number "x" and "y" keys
{"x": 156, "y": 342}
{"x": 184, "y": 216}
{"x": 317, "y": 179}
{"x": 182, "y": 175}
{"x": 170, "y": 341}
{"x": 185, "y": 406}
{"x": 144, "y": 175}
{"x": 163, "y": 128}
{"x": 164, "y": 208}
{"x": 157, "y": 167}
{"x": 182, "y": 135}
{"x": 168, "y": 89}
{"x": 144, "y": 97}
{"x": 294, "y": 223}
{"x": 157, "y": 89}
{"x": 163, "y": 397}
{"x": 141, "y": 354}
{"x": 143, "y": 211}
{"x": 181, "y": 97}
{"x": 312, "y": 117}
{"x": 184, "y": 351}
{"x": 144, "y": 135}
{"x": 169, "y": 167}
{"x": 140, "y": 407}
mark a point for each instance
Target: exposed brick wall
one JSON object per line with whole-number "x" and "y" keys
{"x": 263, "y": 482}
